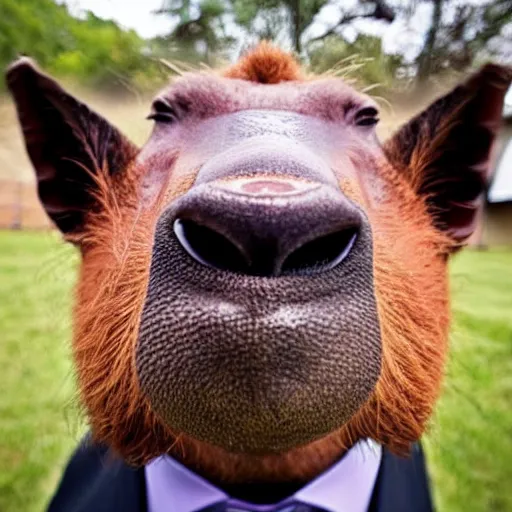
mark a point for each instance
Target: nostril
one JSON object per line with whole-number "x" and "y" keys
{"x": 209, "y": 247}
{"x": 321, "y": 254}
{"x": 270, "y": 235}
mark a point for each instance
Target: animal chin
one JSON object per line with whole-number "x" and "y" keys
{"x": 257, "y": 364}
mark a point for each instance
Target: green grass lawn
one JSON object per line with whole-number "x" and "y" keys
{"x": 469, "y": 445}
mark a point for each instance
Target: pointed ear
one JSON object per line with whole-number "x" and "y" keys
{"x": 445, "y": 152}
{"x": 68, "y": 144}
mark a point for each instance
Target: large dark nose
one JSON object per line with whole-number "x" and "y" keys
{"x": 266, "y": 226}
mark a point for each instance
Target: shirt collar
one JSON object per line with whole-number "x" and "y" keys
{"x": 346, "y": 486}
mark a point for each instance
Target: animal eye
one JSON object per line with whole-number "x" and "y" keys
{"x": 163, "y": 112}
{"x": 367, "y": 117}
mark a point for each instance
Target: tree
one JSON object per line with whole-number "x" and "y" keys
{"x": 296, "y": 16}
{"x": 199, "y": 26}
{"x": 459, "y": 35}
{"x": 426, "y": 57}
{"x": 94, "y": 50}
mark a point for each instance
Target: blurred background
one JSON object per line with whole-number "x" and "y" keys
{"x": 115, "y": 54}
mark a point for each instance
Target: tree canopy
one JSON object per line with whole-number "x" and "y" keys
{"x": 92, "y": 50}
{"x": 99, "y": 52}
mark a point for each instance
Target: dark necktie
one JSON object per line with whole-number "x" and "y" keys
{"x": 233, "y": 505}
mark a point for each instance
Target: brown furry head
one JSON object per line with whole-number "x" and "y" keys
{"x": 263, "y": 283}
{"x": 266, "y": 64}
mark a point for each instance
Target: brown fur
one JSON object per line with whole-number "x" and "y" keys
{"x": 266, "y": 64}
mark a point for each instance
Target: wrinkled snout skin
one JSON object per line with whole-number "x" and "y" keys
{"x": 259, "y": 359}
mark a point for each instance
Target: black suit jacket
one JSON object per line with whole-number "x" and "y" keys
{"x": 95, "y": 481}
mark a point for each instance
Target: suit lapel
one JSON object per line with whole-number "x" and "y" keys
{"x": 95, "y": 481}
{"x": 402, "y": 484}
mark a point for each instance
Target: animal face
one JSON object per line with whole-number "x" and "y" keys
{"x": 263, "y": 283}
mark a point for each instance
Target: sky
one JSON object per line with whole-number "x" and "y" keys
{"x": 135, "y": 14}
{"x": 138, "y": 15}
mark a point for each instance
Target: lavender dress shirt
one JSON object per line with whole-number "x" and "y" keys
{"x": 345, "y": 487}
